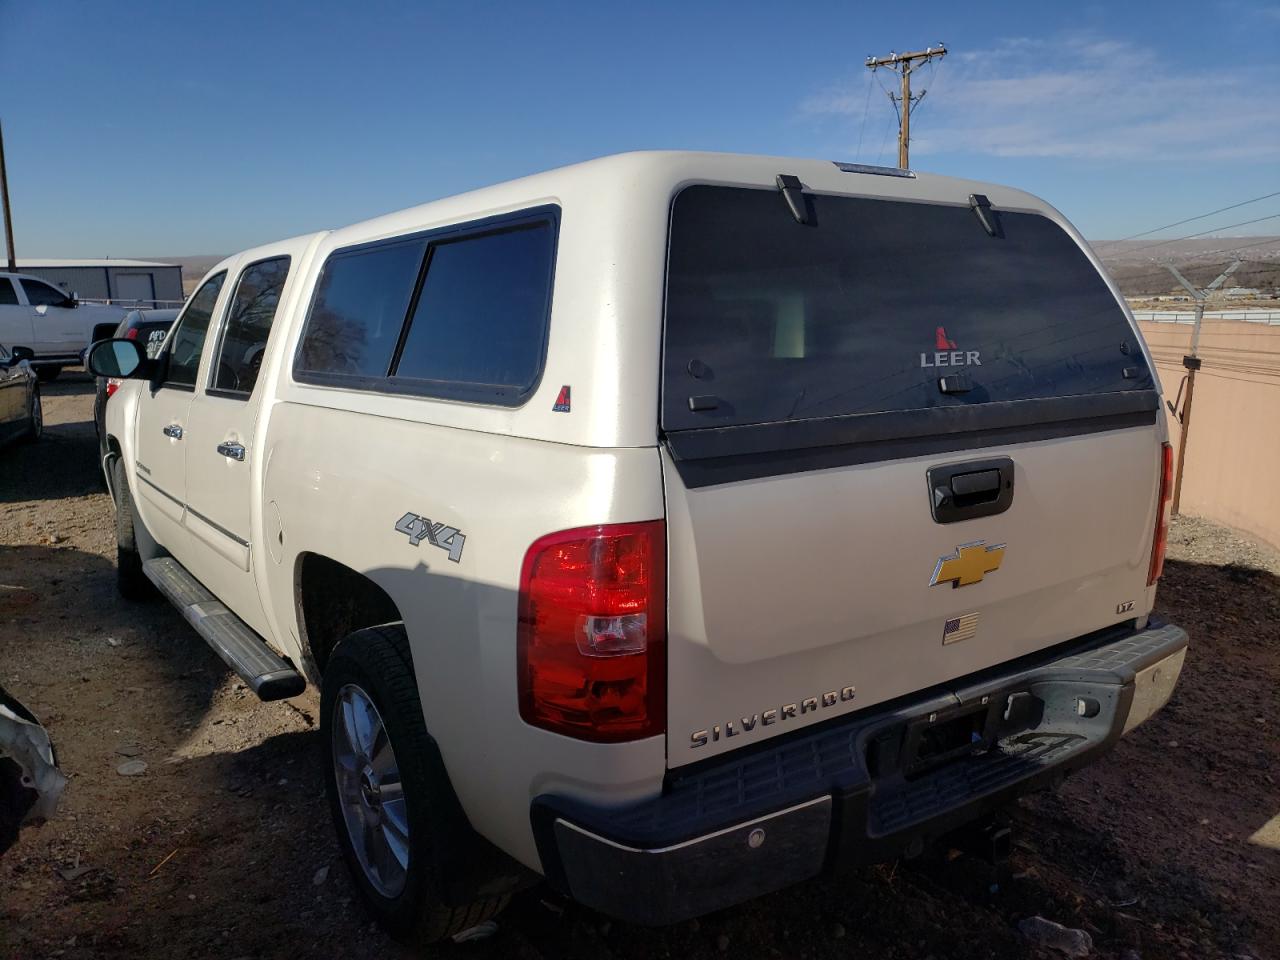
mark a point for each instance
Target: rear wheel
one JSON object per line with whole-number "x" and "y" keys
{"x": 35, "y": 416}
{"x": 392, "y": 805}
{"x": 130, "y": 580}
{"x": 48, "y": 373}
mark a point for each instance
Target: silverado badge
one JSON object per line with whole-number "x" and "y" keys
{"x": 969, "y": 564}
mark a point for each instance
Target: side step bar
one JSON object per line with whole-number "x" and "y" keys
{"x": 269, "y": 676}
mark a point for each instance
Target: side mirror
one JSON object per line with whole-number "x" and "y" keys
{"x": 18, "y": 354}
{"x": 121, "y": 359}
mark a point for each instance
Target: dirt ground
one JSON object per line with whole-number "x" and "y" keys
{"x": 1169, "y": 847}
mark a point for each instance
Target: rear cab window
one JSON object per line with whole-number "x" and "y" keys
{"x": 842, "y": 331}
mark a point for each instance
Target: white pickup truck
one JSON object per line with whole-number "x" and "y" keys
{"x": 57, "y": 326}
{"x": 672, "y": 526}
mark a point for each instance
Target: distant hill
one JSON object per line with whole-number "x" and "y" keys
{"x": 1136, "y": 264}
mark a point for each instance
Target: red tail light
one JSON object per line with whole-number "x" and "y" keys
{"x": 591, "y": 647}
{"x": 113, "y": 385}
{"x": 131, "y": 333}
{"x": 1161, "y": 540}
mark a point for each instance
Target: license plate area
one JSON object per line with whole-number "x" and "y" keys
{"x": 940, "y": 738}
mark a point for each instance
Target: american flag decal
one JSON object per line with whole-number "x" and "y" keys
{"x": 959, "y": 628}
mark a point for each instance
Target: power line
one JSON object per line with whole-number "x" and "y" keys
{"x": 866, "y": 106}
{"x": 1169, "y": 226}
{"x": 1192, "y": 236}
{"x": 883, "y": 140}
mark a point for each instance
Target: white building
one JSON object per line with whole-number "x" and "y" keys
{"x": 117, "y": 280}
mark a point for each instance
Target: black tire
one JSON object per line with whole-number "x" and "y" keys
{"x": 377, "y": 661}
{"x": 35, "y": 415}
{"x": 48, "y": 373}
{"x": 130, "y": 580}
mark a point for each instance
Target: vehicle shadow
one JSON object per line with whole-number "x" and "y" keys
{"x": 224, "y": 845}
{"x": 71, "y": 645}
{"x": 64, "y": 462}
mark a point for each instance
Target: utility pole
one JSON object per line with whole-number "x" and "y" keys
{"x": 905, "y": 64}
{"x": 1192, "y": 362}
{"x": 8, "y": 216}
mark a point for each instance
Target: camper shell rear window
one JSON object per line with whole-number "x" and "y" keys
{"x": 864, "y": 310}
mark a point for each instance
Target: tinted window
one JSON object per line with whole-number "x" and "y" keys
{"x": 43, "y": 295}
{"x": 152, "y": 336}
{"x": 248, "y": 323}
{"x": 8, "y": 297}
{"x": 360, "y": 305}
{"x": 193, "y": 326}
{"x": 482, "y": 315}
{"x": 768, "y": 320}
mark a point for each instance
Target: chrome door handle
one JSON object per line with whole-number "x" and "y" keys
{"x": 233, "y": 451}
{"x": 173, "y": 430}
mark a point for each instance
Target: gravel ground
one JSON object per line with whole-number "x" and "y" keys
{"x": 1169, "y": 847}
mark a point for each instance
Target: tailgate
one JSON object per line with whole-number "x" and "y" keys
{"x": 899, "y": 448}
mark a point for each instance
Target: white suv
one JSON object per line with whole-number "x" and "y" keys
{"x": 673, "y": 526}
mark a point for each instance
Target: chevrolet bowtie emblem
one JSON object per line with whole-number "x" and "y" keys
{"x": 969, "y": 564}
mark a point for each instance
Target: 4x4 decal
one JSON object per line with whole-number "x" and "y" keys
{"x": 447, "y": 538}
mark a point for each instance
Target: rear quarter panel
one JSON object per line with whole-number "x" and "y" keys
{"x": 339, "y": 481}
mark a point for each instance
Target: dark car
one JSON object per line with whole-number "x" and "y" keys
{"x": 21, "y": 415}
{"x": 148, "y": 327}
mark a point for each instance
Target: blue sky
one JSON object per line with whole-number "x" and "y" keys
{"x": 152, "y": 129}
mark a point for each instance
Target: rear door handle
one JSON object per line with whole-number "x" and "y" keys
{"x": 974, "y": 484}
{"x": 965, "y": 491}
{"x": 232, "y": 451}
{"x": 173, "y": 430}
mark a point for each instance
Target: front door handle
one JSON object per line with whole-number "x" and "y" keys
{"x": 173, "y": 430}
{"x": 232, "y": 451}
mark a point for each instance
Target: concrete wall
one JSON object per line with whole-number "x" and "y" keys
{"x": 1232, "y": 473}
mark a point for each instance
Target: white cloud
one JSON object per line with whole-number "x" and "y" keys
{"x": 1082, "y": 97}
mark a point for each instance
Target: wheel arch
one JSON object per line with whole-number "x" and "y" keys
{"x": 114, "y": 453}
{"x": 333, "y": 600}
